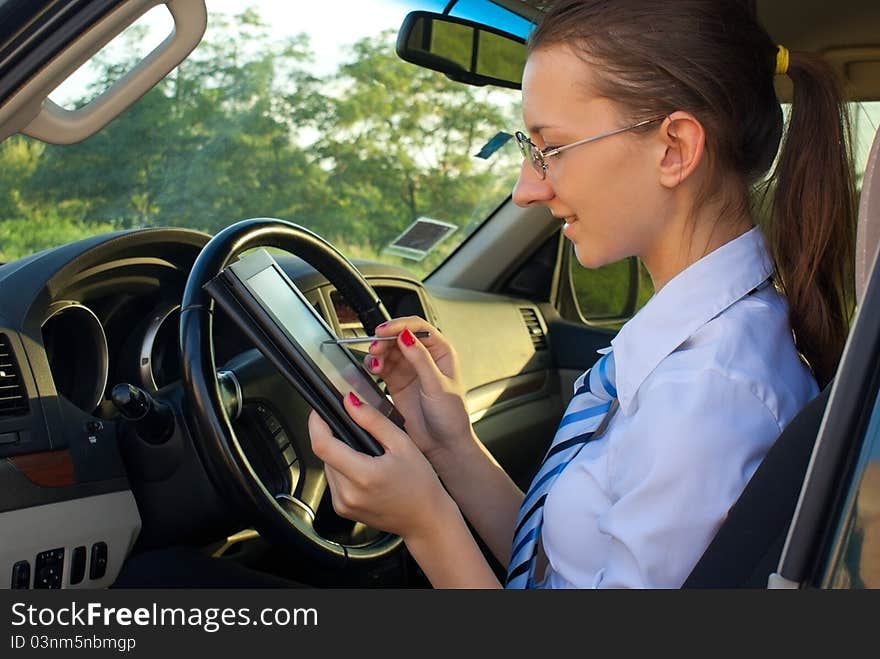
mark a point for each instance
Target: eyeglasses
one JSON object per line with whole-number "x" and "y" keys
{"x": 538, "y": 158}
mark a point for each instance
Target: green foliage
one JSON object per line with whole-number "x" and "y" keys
{"x": 602, "y": 293}
{"x": 243, "y": 129}
{"x": 18, "y": 161}
{"x": 403, "y": 146}
{"x": 40, "y": 230}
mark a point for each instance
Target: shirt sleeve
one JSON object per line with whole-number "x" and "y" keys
{"x": 675, "y": 468}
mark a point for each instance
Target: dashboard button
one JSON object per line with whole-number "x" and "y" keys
{"x": 21, "y": 576}
{"x": 78, "y": 565}
{"x": 98, "y": 565}
{"x": 48, "y": 569}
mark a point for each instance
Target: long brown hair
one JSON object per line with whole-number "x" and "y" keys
{"x": 712, "y": 59}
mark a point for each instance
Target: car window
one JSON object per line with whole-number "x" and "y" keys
{"x": 602, "y": 294}
{"x": 283, "y": 112}
{"x": 857, "y": 559}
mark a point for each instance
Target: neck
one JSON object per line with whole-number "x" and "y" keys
{"x": 689, "y": 236}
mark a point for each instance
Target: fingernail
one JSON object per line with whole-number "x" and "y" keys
{"x": 381, "y": 325}
{"x": 372, "y": 345}
{"x": 374, "y": 364}
{"x": 407, "y": 337}
{"x": 354, "y": 400}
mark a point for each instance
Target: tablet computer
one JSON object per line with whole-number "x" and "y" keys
{"x": 292, "y": 334}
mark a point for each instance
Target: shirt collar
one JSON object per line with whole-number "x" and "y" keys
{"x": 687, "y": 302}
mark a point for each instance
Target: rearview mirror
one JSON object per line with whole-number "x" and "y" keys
{"x": 465, "y": 51}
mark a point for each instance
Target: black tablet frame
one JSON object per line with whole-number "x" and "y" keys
{"x": 231, "y": 293}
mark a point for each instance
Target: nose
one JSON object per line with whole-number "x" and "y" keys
{"x": 530, "y": 190}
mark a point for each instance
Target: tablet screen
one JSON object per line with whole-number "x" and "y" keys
{"x": 301, "y": 323}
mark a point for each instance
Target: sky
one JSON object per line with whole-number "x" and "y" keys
{"x": 352, "y": 20}
{"x": 331, "y": 24}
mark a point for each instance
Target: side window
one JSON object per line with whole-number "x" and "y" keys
{"x": 857, "y": 563}
{"x": 865, "y": 123}
{"x": 606, "y": 296}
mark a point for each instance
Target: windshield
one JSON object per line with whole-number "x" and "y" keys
{"x": 300, "y": 111}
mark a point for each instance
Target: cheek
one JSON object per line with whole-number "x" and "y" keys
{"x": 604, "y": 180}
{"x": 611, "y": 219}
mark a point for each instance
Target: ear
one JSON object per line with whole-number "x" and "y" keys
{"x": 684, "y": 140}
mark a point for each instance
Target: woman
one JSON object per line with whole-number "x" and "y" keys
{"x": 648, "y": 124}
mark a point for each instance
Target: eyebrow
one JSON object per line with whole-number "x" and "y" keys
{"x": 537, "y": 128}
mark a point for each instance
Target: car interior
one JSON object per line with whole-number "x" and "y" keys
{"x": 147, "y": 441}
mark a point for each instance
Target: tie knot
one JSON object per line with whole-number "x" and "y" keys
{"x": 599, "y": 380}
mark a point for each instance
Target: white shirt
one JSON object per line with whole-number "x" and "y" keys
{"x": 707, "y": 376}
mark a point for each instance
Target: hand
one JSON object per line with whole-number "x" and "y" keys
{"x": 398, "y": 491}
{"x": 422, "y": 376}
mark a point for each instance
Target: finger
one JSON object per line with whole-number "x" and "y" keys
{"x": 340, "y": 492}
{"x": 395, "y": 326}
{"x": 334, "y": 479}
{"x": 431, "y": 380}
{"x": 383, "y": 364}
{"x": 437, "y": 344}
{"x": 373, "y": 364}
{"x": 374, "y": 422}
{"x": 334, "y": 452}
{"x": 393, "y": 369}
{"x": 386, "y": 352}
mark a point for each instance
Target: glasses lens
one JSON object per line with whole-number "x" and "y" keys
{"x": 531, "y": 153}
{"x": 523, "y": 143}
{"x": 537, "y": 160}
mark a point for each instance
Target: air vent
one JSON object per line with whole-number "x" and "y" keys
{"x": 533, "y": 324}
{"x": 13, "y": 400}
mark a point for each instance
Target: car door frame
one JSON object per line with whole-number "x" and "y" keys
{"x": 817, "y": 532}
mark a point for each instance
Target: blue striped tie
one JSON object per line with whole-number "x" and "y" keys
{"x": 593, "y": 393}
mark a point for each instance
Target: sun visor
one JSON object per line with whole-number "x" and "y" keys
{"x": 31, "y": 112}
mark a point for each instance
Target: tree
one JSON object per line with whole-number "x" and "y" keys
{"x": 243, "y": 129}
{"x": 402, "y": 145}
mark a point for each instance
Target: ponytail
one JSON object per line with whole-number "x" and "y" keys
{"x": 812, "y": 228}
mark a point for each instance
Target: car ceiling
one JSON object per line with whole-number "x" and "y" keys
{"x": 847, "y": 33}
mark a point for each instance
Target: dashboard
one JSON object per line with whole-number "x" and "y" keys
{"x": 80, "y": 319}
{"x": 116, "y": 321}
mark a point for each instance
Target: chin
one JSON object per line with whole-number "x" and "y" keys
{"x": 590, "y": 258}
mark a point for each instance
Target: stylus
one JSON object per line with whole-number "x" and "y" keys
{"x": 370, "y": 339}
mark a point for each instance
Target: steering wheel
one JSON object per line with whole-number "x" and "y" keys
{"x": 287, "y": 518}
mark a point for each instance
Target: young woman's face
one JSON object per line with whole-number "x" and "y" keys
{"x": 607, "y": 192}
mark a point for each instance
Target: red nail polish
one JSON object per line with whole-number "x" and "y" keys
{"x": 407, "y": 337}
{"x": 372, "y": 345}
{"x": 374, "y": 364}
{"x": 381, "y": 325}
{"x": 354, "y": 400}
